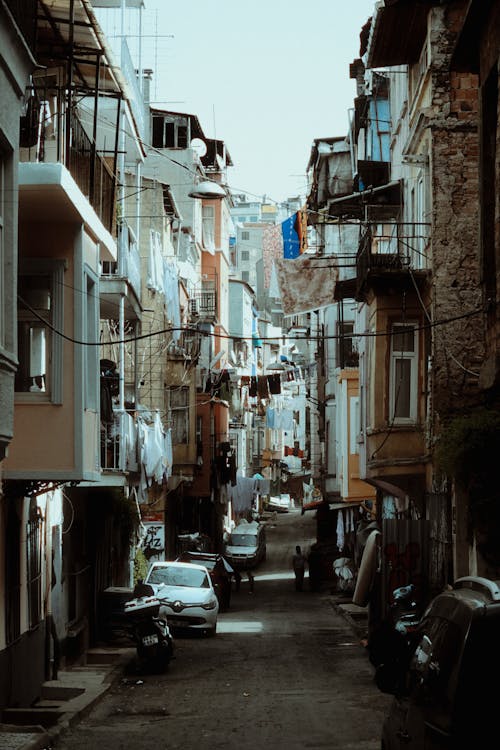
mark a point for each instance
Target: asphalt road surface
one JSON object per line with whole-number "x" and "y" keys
{"x": 285, "y": 671}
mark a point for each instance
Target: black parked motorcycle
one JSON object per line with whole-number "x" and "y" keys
{"x": 391, "y": 644}
{"x": 149, "y": 629}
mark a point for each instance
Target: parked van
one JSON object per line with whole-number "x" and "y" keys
{"x": 246, "y": 546}
{"x": 448, "y": 694}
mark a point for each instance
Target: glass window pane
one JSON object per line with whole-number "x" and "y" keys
{"x": 402, "y": 388}
{"x": 403, "y": 339}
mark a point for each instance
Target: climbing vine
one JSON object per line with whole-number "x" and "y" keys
{"x": 469, "y": 444}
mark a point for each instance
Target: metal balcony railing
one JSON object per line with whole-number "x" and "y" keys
{"x": 119, "y": 444}
{"x": 92, "y": 174}
{"x": 203, "y": 304}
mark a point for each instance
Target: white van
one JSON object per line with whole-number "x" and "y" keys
{"x": 246, "y": 546}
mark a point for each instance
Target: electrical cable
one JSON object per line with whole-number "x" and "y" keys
{"x": 187, "y": 329}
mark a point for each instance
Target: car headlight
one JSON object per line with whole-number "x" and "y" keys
{"x": 211, "y": 604}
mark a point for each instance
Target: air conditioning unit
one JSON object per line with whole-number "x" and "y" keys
{"x": 194, "y": 308}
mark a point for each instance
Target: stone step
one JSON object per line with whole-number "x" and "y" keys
{"x": 45, "y": 716}
{"x": 96, "y": 657}
{"x": 60, "y": 692}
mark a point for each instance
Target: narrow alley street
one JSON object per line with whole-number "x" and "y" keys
{"x": 285, "y": 670}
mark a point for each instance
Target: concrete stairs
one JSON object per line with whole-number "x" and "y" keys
{"x": 73, "y": 693}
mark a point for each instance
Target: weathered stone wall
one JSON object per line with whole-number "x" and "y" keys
{"x": 458, "y": 345}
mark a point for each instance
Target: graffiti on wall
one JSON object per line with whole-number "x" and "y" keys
{"x": 154, "y": 541}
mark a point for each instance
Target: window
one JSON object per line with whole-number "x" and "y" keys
{"x": 403, "y": 373}
{"x": 245, "y": 235}
{"x": 40, "y": 314}
{"x": 179, "y": 414}
{"x": 169, "y": 133}
{"x": 347, "y": 355}
{"x": 385, "y": 239}
{"x": 245, "y": 276}
{"x": 245, "y": 255}
{"x": 254, "y": 218}
{"x": 208, "y": 227}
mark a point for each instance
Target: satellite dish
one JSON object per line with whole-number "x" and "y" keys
{"x": 199, "y": 145}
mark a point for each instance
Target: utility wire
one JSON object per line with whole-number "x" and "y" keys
{"x": 276, "y": 339}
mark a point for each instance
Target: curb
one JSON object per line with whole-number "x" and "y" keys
{"x": 357, "y": 617}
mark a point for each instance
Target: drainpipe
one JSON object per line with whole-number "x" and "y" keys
{"x": 179, "y": 228}
{"x": 121, "y": 370}
{"x": 138, "y": 198}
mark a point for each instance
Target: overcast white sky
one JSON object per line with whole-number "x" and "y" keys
{"x": 265, "y": 76}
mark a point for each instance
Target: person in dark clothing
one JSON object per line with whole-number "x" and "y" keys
{"x": 299, "y": 568}
{"x": 237, "y": 579}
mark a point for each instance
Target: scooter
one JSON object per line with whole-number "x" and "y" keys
{"x": 393, "y": 638}
{"x": 149, "y": 630}
{"x": 405, "y": 610}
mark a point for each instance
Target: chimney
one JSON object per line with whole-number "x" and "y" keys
{"x": 147, "y": 76}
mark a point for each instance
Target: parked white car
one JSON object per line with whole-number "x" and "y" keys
{"x": 187, "y": 593}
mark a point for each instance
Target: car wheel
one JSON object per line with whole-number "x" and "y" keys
{"x": 210, "y": 633}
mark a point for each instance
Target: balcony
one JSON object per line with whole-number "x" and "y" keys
{"x": 92, "y": 175}
{"x": 88, "y": 169}
{"x": 119, "y": 444}
{"x": 385, "y": 259}
{"x": 122, "y": 278}
{"x": 203, "y": 305}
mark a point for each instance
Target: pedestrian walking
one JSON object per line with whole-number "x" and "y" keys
{"x": 250, "y": 581}
{"x": 237, "y": 578}
{"x": 299, "y": 567}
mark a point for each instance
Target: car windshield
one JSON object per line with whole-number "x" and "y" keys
{"x": 175, "y": 575}
{"x": 244, "y": 540}
{"x": 208, "y": 564}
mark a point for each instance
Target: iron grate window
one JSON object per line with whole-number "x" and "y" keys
{"x": 34, "y": 568}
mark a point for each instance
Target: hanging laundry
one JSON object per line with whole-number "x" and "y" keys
{"x": 274, "y": 382}
{"x": 262, "y": 387}
{"x": 253, "y": 391}
{"x": 270, "y": 418}
{"x": 284, "y": 420}
{"x": 295, "y": 451}
{"x": 340, "y": 531}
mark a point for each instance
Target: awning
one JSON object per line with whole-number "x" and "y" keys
{"x": 380, "y": 203}
{"x": 59, "y": 34}
{"x": 397, "y": 33}
{"x": 332, "y": 504}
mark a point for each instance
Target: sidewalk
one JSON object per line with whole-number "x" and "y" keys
{"x": 357, "y": 617}
{"x": 63, "y": 701}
